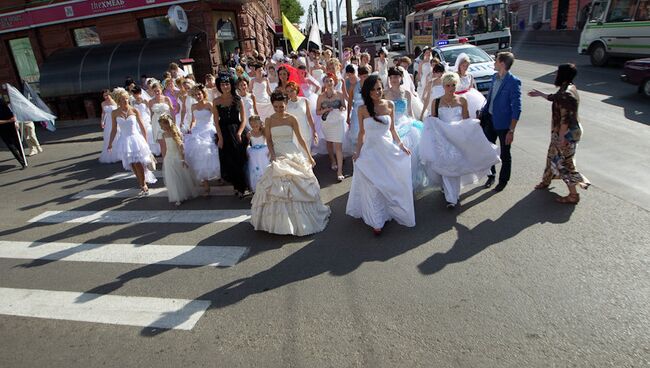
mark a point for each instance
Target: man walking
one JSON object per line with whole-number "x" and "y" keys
{"x": 500, "y": 114}
{"x": 9, "y": 134}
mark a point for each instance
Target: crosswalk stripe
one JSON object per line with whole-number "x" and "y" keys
{"x": 153, "y": 192}
{"x": 130, "y": 175}
{"x": 177, "y": 255}
{"x": 168, "y": 313}
{"x": 165, "y": 216}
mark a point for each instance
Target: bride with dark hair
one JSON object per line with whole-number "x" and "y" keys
{"x": 382, "y": 187}
{"x": 287, "y": 196}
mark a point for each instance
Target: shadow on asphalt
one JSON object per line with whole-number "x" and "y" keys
{"x": 537, "y": 207}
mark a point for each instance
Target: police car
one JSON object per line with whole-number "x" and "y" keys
{"x": 481, "y": 66}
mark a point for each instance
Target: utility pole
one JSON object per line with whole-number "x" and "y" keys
{"x": 338, "y": 24}
{"x": 316, "y": 10}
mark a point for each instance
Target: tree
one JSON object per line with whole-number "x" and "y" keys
{"x": 292, "y": 10}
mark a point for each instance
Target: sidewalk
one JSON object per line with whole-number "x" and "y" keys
{"x": 64, "y": 124}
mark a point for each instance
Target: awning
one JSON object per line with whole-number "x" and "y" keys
{"x": 90, "y": 69}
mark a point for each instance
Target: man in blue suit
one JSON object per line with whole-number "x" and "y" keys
{"x": 500, "y": 114}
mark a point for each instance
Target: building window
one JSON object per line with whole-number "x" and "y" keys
{"x": 86, "y": 36}
{"x": 157, "y": 27}
{"x": 548, "y": 11}
{"x": 534, "y": 14}
{"x": 21, "y": 49}
{"x": 621, "y": 10}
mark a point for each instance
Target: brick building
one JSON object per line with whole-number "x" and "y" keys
{"x": 70, "y": 50}
{"x": 548, "y": 14}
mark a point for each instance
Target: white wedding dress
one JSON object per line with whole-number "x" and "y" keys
{"x": 108, "y": 157}
{"x": 287, "y": 197}
{"x": 131, "y": 147}
{"x": 178, "y": 178}
{"x": 158, "y": 109}
{"x": 455, "y": 151}
{"x": 299, "y": 110}
{"x": 262, "y": 99}
{"x": 145, "y": 115}
{"x": 201, "y": 151}
{"x": 382, "y": 188}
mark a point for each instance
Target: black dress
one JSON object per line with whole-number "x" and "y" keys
{"x": 232, "y": 155}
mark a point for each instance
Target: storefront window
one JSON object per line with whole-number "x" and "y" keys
{"x": 86, "y": 36}
{"x": 226, "y": 31}
{"x": 157, "y": 27}
{"x": 21, "y": 49}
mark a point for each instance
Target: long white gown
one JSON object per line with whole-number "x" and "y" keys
{"x": 287, "y": 197}
{"x": 299, "y": 110}
{"x": 382, "y": 188}
{"x": 158, "y": 109}
{"x": 350, "y": 143}
{"x": 201, "y": 152}
{"x": 187, "y": 118}
{"x": 455, "y": 151}
{"x": 178, "y": 179}
{"x": 262, "y": 99}
{"x": 146, "y": 121}
{"x": 108, "y": 157}
{"x": 422, "y": 79}
{"x": 131, "y": 147}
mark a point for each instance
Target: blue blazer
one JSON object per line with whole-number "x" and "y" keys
{"x": 507, "y": 102}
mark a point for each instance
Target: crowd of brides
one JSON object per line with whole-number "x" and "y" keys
{"x": 258, "y": 125}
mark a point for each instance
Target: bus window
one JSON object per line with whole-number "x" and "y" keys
{"x": 471, "y": 21}
{"x": 496, "y": 14}
{"x": 621, "y": 10}
{"x": 642, "y": 11}
{"x": 597, "y": 12}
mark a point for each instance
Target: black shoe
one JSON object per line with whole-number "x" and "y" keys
{"x": 500, "y": 186}
{"x": 489, "y": 182}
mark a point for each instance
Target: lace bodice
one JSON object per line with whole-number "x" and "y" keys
{"x": 128, "y": 126}
{"x": 449, "y": 114}
{"x": 282, "y": 137}
{"x": 465, "y": 83}
{"x": 160, "y": 108}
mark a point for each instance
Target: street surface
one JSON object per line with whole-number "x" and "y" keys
{"x": 91, "y": 276}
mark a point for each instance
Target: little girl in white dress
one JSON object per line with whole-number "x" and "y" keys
{"x": 258, "y": 152}
{"x": 178, "y": 178}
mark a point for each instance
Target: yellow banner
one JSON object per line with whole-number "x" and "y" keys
{"x": 292, "y": 33}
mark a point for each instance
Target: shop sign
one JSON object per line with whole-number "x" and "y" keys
{"x": 225, "y": 30}
{"x": 74, "y": 10}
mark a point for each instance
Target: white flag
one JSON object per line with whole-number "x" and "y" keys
{"x": 314, "y": 34}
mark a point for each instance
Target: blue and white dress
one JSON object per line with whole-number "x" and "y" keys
{"x": 410, "y": 132}
{"x": 258, "y": 160}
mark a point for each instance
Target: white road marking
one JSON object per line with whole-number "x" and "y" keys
{"x": 178, "y": 255}
{"x": 121, "y": 217}
{"x": 153, "y": 192}
{"x": 179, "y": 314}
{"x": 130, "y": 175}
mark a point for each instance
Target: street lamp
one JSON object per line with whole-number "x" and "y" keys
{"x": 323, "y": 4}
{"x": 316, "y": 10}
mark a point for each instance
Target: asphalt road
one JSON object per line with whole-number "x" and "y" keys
{"x": 509, "y": 279}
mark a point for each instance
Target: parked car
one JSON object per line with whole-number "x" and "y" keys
{"x": 481, "y": 66}
{"x": 397, "y": 41}
{"x": 637, "y": 72}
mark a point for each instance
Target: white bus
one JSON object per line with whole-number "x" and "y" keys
{"x": 483, "y": 23}
{"x": 373, "y": 29}
{"x": 616, "y": 28}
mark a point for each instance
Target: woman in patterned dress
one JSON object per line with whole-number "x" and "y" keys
{"x": 566, "y": 132}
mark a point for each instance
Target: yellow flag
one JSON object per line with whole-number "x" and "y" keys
{"x": 292, "y": 33}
